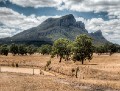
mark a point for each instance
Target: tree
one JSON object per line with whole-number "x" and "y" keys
{"x": 113, "y": 49}
{"x": 107, "y": 48}
{"x": 60, "y": 48}
{"x": 45, "y": 49}
{"x": 31, "y": 49}
{"x": 14, "y": 49}
{"x": 68, "y": 51}
{"x": 22, "y": 50}
{"x": 4, "y": 50}
{"x": 83, "y": 48}
{"x": 100, "y": 50}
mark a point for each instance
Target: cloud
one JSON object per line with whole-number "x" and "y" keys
{"x": 3, "y": 0}
{"x": 110, "y": 6}
{"x": 12, "y": 22}
{"x": 110, "y": 29}
{"x": 37, "y": 3}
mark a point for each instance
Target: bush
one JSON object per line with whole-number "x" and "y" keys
{"x": 31, "y": 49}
{"x": 75, "y": 71}
{"x": 47, "y": 66}
{"x": 22, "y": 50}
{"x": 45, "y": 49}
{"x": 14, "y": 49}
{"x": 4, "y": 50}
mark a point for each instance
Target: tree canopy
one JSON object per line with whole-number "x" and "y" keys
{"x": 60, "y": 48}
{"x": 82, "y": 48}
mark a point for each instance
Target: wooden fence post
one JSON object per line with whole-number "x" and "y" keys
{"x": 33, "y": 71}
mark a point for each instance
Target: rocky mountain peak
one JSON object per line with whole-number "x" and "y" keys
{"x": 98, "y": 33}
{"x": 67, "y": 20}
{"x": 64, "y": 21}
{"x": 69, "y": 16}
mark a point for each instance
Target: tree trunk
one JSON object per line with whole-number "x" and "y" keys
{"x": 60, "y": 59}
{"x": 82, "y": 61}
{"x": 76, "y": 74}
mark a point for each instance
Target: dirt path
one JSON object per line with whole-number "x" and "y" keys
{"x": 34, "y": 71}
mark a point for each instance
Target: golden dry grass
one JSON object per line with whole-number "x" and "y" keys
{"x": 22, "y": 82}
{"x": 100, "y": 74}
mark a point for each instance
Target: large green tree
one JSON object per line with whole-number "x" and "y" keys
{"x": 60, "y": 48}
{"x": 83, "y": 48}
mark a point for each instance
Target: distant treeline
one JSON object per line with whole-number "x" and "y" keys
{"x": 78, "y": 50}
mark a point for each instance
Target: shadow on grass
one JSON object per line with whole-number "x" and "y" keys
{"x": 88, "y": 64}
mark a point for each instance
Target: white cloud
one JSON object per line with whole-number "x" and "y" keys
{"x": 13, "y": 22}
{"x": 37, "y": 3}
{"x": 110, "y": 6}
{"x": 3, "y": 35}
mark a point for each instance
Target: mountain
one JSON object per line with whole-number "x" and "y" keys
{"x": 98, "y": 38}
{"x": 54, "y": 28}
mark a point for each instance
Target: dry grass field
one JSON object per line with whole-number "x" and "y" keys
{"x": 102, "y": 73}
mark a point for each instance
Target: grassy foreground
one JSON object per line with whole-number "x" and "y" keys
{"x": 101, "y": 74}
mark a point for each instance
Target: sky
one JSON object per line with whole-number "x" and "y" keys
{"x": 19, "y": 15}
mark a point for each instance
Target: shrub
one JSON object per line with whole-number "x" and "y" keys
{"x": 45, "y": 49}
{"x": 75, "y": 71}
{"x": 4, "y": 50}
{"x": 14, "y": 49}
{"x": 47, "y": 66}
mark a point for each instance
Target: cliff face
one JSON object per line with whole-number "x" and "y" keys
{"x": 54, "y": 28}
{"x": 98, "y": 37}
{"x": 65, "y": 21}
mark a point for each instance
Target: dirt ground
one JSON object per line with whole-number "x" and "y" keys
{"x": 102, "y": 73}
